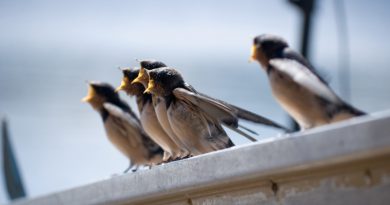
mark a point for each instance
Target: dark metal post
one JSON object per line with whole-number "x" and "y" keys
{"x": 13, "y": 180}
{"x": 307, "y": 9}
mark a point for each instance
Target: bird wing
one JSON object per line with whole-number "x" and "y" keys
{"x": 240, "y": 112}
{"x": 213, "y": 108}
{"x": 303, "y": 76}
{"x": 127, "y": 125}
{"x": 293, "y": 55}
{"x": 252, "y": 117}
{"x": 202, "y": 132}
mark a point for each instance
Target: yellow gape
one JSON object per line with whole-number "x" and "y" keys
{"x": 151, "y": 87}
{"x": 125, "y": 82}
{"x": 253, "y": 53}
{"x": 142, "y": 78}
{"x": 91, "y": 94}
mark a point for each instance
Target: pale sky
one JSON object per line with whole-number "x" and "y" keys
{"x": 49, "y": 48}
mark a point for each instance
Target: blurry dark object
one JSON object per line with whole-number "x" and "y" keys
{"x": 307, "y": 9}
{"x": 12, "y": 177}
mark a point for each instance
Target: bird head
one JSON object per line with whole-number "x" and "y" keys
{"x": 99, "y": 93}
{"x": 163, "y": 81}
{"x": 266, "y": 47}
{"x": 151, "y": 64}
{"x": 143, "y": 77}
{"x": 129, "y": 74}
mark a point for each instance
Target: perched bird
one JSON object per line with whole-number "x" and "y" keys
{"x": 199, "y": 132}
{"x": 122, "y": 126}
{"x": 159, "y": 103}
{"x": 239, "y": 113}
{"x": 297, "y": 86}
{"x": 148, "y": 116}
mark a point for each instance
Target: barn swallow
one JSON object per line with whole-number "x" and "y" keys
{"x": 159, "y": 103}
{"x": 199, "y": 132}
{"x": 148, "y": 116}
{"x": 297, "y": 86}
{"x": 240, "y": 113}
{"x": 122, "y": 126}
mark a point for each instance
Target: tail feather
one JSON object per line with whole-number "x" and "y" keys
{"x": 354, "y": 110}
{"x": 252, "y": 117}
{"x": 230, "y": 143}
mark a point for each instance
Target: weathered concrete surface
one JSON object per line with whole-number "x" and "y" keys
{"x": 345, "y": 163}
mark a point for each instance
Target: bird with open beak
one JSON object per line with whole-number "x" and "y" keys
{"x": 198, "y": 131}
{"x": 297, "y": 86}
{"x": 122, "y": 126}
{"x": 159, "y": 103}
{"x": 148, "y": 116}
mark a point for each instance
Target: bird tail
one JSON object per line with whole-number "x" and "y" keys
{"x": 235, "y": 129}
{"x": 230, "y": 143}
{"x": 353, "y": 110}
{"x": 255, "y": 118}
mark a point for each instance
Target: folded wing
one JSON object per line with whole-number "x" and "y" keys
{"x": 303, "y": 76}
{"x": 126, "y": 124}
{"x": 213, "y": 109}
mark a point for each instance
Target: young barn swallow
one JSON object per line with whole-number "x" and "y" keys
{"x": 148, "y": 116}
{"x": 239, "y": 113}
{"x": 297, "y": 86}
{"x": 122, "y": 126}
{"x": 199, "y": 132}
{"x": 159, "y": 103}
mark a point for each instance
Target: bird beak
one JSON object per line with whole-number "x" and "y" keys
{"x": 137, "y": 80}
{"x": 90, "y": 95}
{"x": 151, "y": 87}
{"x": 122, "y": 86}
{"x": 253, "y": 54}
{"x": 86, "y": 99}
{"x": 141, "y": 78}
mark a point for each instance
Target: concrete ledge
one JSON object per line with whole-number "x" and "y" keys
{"x": 344, "y": 163}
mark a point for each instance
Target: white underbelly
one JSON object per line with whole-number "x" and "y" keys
{"x": 153, "y": 128}
{"x": 162, "y": 116}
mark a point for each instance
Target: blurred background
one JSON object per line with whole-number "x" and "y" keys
{"x": 49, "y": 48}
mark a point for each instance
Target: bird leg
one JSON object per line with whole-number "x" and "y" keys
{"x": 184, "y": 157}
{"x": 131, "y": 166}
{"x": 166, "y": 156}
{"x": 134, "y": 168}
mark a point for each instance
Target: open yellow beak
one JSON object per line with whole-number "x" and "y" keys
{"x": 151, "y": 87}
{"x": 124, "y": 83}
{"x": 141, "y": 78}
{"x": 86, "y": 99}
{"x": 137, "y": 80}
{"x": 253, "y": 54}
{"x": 91, "y": 94}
